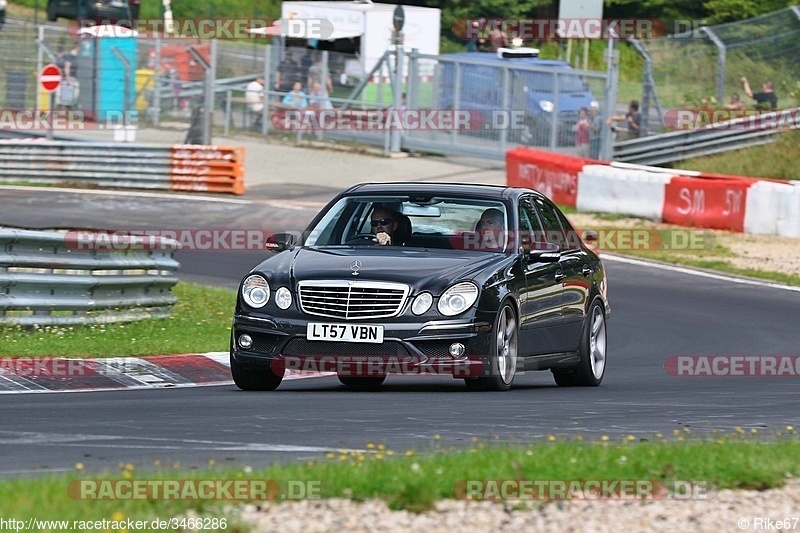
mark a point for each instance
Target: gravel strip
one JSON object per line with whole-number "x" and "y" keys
{"x": 721, "y": 511}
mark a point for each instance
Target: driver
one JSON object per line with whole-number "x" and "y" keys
{"x": 384, "y": 223}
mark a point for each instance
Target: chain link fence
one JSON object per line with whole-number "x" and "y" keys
{"x": 709, "y": 62}
{"x": 205, "y": 86}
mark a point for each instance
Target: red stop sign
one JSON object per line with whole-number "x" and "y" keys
{"x": 50, "y": 78}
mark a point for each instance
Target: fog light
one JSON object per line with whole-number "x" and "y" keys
{"x": 457, "y": 349}
{"x": 246, "y": 341}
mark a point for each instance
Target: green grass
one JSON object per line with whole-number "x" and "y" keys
{"x": 775, "y": 160}
{"x": 414, "y": 480}
{"x": 200, "y": 323}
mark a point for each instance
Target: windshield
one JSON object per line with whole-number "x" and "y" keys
{"x": 414, "y": 222}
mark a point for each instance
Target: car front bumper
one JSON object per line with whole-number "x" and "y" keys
{"x": 407, "y": 348}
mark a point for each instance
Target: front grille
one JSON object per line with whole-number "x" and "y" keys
{"x": 352, "y": 300}
{"x": 352, "y": 351}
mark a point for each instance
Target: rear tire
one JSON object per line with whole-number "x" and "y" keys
{"x": 254, "y": 378}
{"x": 359, "y": 383}
{"x": 503, "y": 359}
{"x": 591, "y": 368}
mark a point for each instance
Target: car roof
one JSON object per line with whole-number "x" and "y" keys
{"x": 490, "y": 57}
{"x": 498, "y": 192}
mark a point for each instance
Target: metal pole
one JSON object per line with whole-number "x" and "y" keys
{"x": 586, "y": 54}
{"x": 156, "y": 103}
{"x": 647, "y": 89}
{"x": 413, "y": 79}
{"x": 720, "y": 62}
{"x": 52, "y": 108}
{"x": 227, "y": 111}
{"x": 39, "y": 66}
{"x": 397, "y": 92}
{"x": 456, "y": 99}
{"x": 212, "y": 75}
{"x": 612, "y": 74}
{"x": 127, "y": 90}
{"x": 267, "y": 88}
{"x": 554, "y": 124}
{"x": 507, "y": 122}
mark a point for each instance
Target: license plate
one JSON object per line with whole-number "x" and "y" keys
{"x": 344, "y": 332}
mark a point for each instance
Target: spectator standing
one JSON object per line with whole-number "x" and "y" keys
{"x": 584, "y": 131}
{"x": 595, "y": 131}
{"x": 633, "y": 118}
{"x": 766, "y": 98}
{"x": 317, "y": 74}
{"x": 254, "y": 96}
{"x": 288, "y": 72}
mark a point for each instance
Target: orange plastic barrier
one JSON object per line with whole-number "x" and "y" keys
{"x": 207, "y": 168}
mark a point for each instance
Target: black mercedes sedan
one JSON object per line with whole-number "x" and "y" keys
{"x": 475, "y": 281}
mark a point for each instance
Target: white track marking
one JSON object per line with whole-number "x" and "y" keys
{"x": 128, "y": 193}
{"x": 699, "y": 273}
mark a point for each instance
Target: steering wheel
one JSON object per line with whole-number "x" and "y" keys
{"x": 361, "y": 237}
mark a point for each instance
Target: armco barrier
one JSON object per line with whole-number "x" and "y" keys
{"x": 49, "y": 278}
{"x": 146, "y": 166}
{"x": 734, "y": 203}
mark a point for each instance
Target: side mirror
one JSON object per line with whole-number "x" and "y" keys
{"x": 544, "y": 252}
{"x": 278, "y": 242}
{"x": 590, "y": 237}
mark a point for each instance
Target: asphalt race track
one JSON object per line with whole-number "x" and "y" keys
{"x": 656, "y": 313}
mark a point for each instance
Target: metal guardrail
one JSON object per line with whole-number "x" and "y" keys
{"x": 147, "y": 166}
{"x": 51, "y": 278}
{"x": 707, "y": 140}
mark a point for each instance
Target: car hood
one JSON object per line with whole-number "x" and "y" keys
{"x": 420, "y": 268}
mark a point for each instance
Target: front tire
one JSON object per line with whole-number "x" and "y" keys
{"x": 591, "y": 368}
{"x": 254, "y": 378}
{"x": 503, "y": 360}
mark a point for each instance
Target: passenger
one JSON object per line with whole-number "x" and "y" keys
{"x": 491, "y": 229}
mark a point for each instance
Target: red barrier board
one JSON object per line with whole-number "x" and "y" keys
{"x": 706, "y": 203}
{"x": 554, "y": 175}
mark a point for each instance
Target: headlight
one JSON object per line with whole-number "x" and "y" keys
{"x": 546, "y": 105}
{"x": 422, "y": 303}
{"x": 255, "y": 291}
{"x": 283, "y": 298}
{"x": 458, "y": 298}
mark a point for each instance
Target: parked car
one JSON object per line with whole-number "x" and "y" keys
{"x": 449, "y": 296}
{"x": 533, "y": 92}
{"x": 111, "y": 10}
